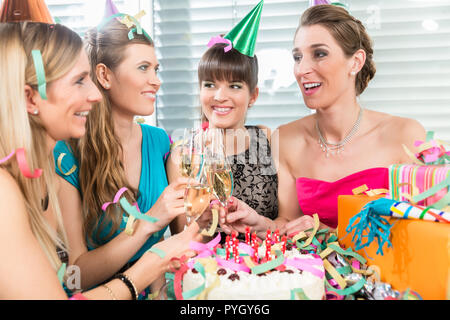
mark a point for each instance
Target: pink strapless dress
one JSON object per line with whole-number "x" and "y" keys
{"x": 317, "y": 196}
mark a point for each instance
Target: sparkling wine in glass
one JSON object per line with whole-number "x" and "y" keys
{"x": 220, "y": 175}
{"x": 191, "y": 152}
{"x": 197, "y": 194}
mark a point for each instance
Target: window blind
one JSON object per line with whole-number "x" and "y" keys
{"x": 80, "y": 15}
{"x": 411, "y": 44}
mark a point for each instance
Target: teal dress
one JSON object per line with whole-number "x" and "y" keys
{"x": 153, "y": 180}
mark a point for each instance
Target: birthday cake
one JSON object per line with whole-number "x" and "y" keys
{"x": 253, "y": 271}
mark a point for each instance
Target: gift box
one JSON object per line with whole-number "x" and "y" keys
{"x": 419, "y": 258}
{"x": 407, "y": 181}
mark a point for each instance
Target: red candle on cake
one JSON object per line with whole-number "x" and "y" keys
{"x": 268, "y": 235}
{"x": 236, "y": 250}
{"x": 227, "y": 248}
{"x": 276, "y": 236}
{"x": 284, "y": 241}
{"x": 247, "y": 235}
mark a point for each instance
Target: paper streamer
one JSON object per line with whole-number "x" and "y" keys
{"x": 132, "y": 211}
{"x": 300, "y": 294}
{"x": 23, "y": 166}
{"x": 116, "y": 198}
{"x": 160, "y": 253}
{"x": 62, "y": 272}
{"x": 40, "y": 73}
{"x": 307, "y": 265}
{"x": 199, "y": 247}
{"x": 134, "y": 30}
{"x": 215, "y": 221}
{"x": 218, "y": 39}
{"x": 7, "y": 157}
{"x": 269, "y": 265}
{"x": 177, "y": 281}
{"x": 316, "y": 227}
{"x": 59, "y": 163}
{"x": 347, "y": 291}
{"x": 230, "y": 264}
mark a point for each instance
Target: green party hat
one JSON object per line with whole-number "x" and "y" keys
{"x": 243, "y": 35}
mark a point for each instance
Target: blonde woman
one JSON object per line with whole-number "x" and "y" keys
{"x": 45, "y": 92}
{"x": 117, "y": 152}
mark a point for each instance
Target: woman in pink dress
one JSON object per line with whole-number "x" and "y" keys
{"x": 341, "y": 145}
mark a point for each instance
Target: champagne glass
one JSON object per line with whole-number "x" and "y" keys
{"x": 220, "y": 175}
{"x": 197, "y": 193}
{"x": 191, "y": 155}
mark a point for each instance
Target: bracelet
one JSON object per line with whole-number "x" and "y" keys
{"x": 109, "y": 291}
{"x": 129, "y": 284}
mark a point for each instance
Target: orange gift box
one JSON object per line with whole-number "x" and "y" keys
{"x": 419, "y": 258}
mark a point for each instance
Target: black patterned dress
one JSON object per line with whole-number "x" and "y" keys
{"x": 255, "y": 176}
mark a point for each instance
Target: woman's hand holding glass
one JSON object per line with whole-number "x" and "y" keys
{"x": 197, "y": 193}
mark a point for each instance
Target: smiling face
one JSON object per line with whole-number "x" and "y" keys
{"x": 69, "y": 100}
{"x": 323, "y": 72}
{"x": 134, "y": 83}
{"x": 225, "y": 103}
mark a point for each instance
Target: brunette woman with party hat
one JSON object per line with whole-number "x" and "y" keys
{"x": 228, "y": 79}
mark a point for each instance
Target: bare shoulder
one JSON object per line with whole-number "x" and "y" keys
{"x": 295, "y": 130}
{"x": 401, "y": 130}
{"x": 290, "y": 140}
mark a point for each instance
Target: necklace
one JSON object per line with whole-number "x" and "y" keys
{"x": 338, "y": 147}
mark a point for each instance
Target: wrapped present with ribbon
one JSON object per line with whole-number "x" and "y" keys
{"x": 427, "y": 185}
{"x": 415, "y": 248}
{"x": 427, "y": 181}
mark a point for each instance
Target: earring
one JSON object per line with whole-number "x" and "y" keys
{"x": 106, "y": 86}
{"x": 353, "y": 73}
{"x": 36, "y": 112}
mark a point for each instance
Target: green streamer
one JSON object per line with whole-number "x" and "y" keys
{"x": 40, "y": 73}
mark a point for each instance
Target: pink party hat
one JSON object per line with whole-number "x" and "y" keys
{"x": 110, "y": 9}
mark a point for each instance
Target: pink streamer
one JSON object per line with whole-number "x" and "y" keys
{"x": 200, "y": 247}
{"x": 219, "y": 39}
{"x": 246, "y": 248}
{"x": 23, "y": 166}
{"x": 22, "y": 162}
{"x": 116, "y": 198}
{"x": 7, "y": 157}
{"x": 232, "y": 265}
{"x": 304, "y": 264}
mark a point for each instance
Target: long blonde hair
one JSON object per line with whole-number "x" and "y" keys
{"x": 59, "y": 48}
{"x": 102, "y": 172}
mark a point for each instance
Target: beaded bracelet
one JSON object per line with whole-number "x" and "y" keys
{"x": 125, "y": 279}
